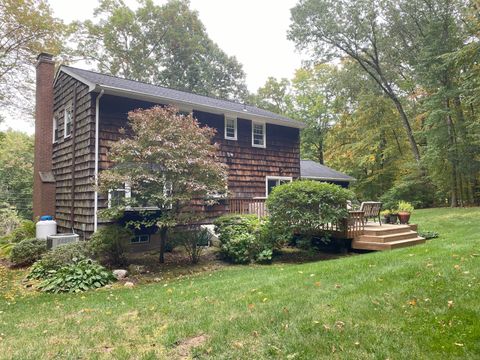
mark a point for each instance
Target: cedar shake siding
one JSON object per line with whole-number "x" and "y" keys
{"x": 74, "y": 155}
{"x": 249, "y": 166}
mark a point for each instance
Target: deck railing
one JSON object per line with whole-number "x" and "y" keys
{"x": 347, "y": 228}
{"x": 248, "y": 206}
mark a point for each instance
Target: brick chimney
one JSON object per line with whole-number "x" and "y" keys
{"x": 43, "y": 181}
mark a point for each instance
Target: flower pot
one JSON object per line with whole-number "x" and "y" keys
{"x": 404, "y": 217}
{"x": 393, "y": 219}
{"x": 386, "y": 219}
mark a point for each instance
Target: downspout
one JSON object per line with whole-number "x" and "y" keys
{"x": 97, "y": 121}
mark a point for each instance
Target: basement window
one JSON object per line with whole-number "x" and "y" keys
{"x": 230, "y": 128}
{"x": 258, "y": 134}
{"x": 140, "y": 239}
{"x": 68, "y": 119}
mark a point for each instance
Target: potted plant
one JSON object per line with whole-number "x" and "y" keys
{"x": 404, "y": 211}
{"x": 386, "y": 216}
{"x": 393, "y": 217}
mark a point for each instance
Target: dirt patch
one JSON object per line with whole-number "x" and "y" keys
{"x": 184, "y": 347}
{"x": 6, "y": 263}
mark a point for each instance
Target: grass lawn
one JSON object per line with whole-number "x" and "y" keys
{"x": 413, "y": 303}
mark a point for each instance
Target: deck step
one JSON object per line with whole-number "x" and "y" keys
{"x": 386, "y": 230}
{"x": 365, "y": 245}
{"x": 404, "y": 235}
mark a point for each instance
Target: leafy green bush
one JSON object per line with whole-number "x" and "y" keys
{"x": 81, "y": 275}
{"x": 60, "y": 256}
{"x": 27, "y": 251}
{"x": 304, "y": 206}
{"x": 192, "y": 241}
{"x": 110, "y": 243}
{"x": 414, "y": 189}
{"x": 244, "y": 238}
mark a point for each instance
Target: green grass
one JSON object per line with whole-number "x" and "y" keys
{"x": 413, "y": 303}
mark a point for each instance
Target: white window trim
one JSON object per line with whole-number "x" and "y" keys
{"x": 55, "y": 129}
{"x": 127, "y": 190}
{"x": 67, "y": 109}
{"x": 289, "y": 178}
{"x": 235, "y": 120}
{"x": 264, "y": 134}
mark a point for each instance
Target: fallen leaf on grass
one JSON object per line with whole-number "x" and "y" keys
{"x": 413, "y": 302}
{"x": 251, "y": 306}
{"x": 317, "y": 284}
{"x": 458, "y": 344}
{"x": 450, "y": 304}
{"x": 338, "y": 286}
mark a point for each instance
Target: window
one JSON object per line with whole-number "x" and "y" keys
{"x": 230, "y": 128}
{"x": 68, "y": 118}
{"x": 258, "y": 134}
{"x": 273, "y": 181}
{"x": 140, "y": 239}
{"x": 56, "y": 134}
{"x": 117, "y": 197}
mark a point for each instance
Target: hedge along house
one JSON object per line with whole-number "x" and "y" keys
{"x": 79, "y": 114}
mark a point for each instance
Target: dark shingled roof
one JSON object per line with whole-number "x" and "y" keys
{"x": 314, "y": 170}
{"x": 164, "y": 93}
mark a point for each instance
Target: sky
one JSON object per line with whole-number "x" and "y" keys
{"x": 254, "y": 31}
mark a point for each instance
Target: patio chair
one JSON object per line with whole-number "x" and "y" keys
{"x": 371, "y": 209}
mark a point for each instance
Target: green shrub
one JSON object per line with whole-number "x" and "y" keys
{"x": 60, "y": 256}
{"x": 27, "y": 251}
{"x": 415, "y": 189}
{"x": 81, "y": 275}
{"x": 110, "y": 243}
{"x": 26, "y": 230}
{"x": 304, "y": 206}
{"x": 244, "y": 238}
{"x": 192, "y": 241}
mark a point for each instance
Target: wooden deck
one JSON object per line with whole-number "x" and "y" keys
{"x": 364, "y": 235}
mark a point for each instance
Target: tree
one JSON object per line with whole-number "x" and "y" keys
{"x": 27, "y": 27}
{"x": 357, "y": 29}
{"x": 164, "y": 45}
{"x": 169, "y": 163}
{"x": 16, "y": 171}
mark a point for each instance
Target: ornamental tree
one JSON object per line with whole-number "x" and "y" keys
{"x": 171, "y": 165}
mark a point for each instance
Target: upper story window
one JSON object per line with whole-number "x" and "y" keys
{"x": 258, "y": 134}
{"x": 230, "y": 128}
{"x": 68, "y": 119}
{"x": 56, "y": 133}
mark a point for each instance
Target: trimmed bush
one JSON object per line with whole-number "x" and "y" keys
{"x": 60, "y": 256}
{"x": 304, "y": 206}
{"x": 244, "y": 238}
{"x": 110, "y": 243}
{"x": 26, "y": 230}
{"x": 81, "y": 275}
{"x": 27, "y": 251}
{"x": 192, "y": 241}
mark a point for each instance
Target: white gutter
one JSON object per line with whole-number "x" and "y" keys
{"x": 327, "y": 179}
{"x": 97, "y": 121}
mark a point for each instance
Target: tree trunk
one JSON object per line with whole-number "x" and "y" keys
{"x": 320, "y": 152}
{"x": 163, "y": 242}
{"x": 453, "y": 159}
{"x": 408, "y": 128}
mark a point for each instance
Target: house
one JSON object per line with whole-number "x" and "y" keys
{"x": 78, "y": 117}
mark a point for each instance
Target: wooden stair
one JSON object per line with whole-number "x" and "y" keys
{"x": 387, "y": 237}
